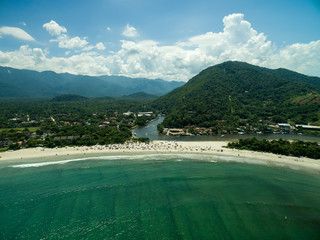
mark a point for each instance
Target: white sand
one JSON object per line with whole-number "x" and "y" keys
{"x": 214, "y": 147}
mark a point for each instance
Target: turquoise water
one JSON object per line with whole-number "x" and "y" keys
{"x": 157, "y": 197}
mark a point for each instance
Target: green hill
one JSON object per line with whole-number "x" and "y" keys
{"x": 235, "y": 93}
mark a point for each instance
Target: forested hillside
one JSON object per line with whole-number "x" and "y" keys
{"x": 234, "y": 93}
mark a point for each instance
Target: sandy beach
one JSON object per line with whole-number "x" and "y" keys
{"x": 216, "y": 148}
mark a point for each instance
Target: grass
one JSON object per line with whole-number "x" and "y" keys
{"x": 306, "y": 99}
{"x": 310, "y": 132}
{"x": 31, "y": 129}
{"x": 3, "y": 149}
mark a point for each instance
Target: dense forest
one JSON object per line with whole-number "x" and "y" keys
{"x": 283, "y": 147}
{"x": 232, "y": 94}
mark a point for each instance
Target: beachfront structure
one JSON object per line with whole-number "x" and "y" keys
{"x": 175, "y": 132}
{"x": 308, "y": 127}
{"x": 148, "y": 114}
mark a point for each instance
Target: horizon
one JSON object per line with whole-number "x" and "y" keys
{"x": 152, "y": 78}
{"x": 164, "y": 40}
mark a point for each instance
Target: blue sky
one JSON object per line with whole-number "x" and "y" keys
{"x": 173, "y": 40}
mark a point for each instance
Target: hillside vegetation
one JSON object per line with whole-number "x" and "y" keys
{"x": 280, "y": 146}
{"x": 235, "y": 93}
{"x": 68, "y": 98}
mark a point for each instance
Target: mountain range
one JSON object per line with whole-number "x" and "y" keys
{"x": 15, "y": 83}
{"x": 235, "y": 93}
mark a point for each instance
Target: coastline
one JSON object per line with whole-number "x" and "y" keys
{"x": 214, "y": 148}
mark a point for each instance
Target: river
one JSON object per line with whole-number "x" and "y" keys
{"x": 150, "y": 131}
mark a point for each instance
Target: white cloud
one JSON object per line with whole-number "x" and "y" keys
{"x": 64, "y": 41}
{"x": 71, "y": 43}
{"x": 130, "y": 31}
{"x": 238, "y": 41}
{"x": 36, "y": 59}
{"x": 54, "y": 29}
{"x": 300, "y": 57}
{"x": 16, "y": 32}
{"x": 100, "y": 46}
{"x": 108, "y": 28}
{"x": 180, "y": 61}
{"x": 25, "y": 58}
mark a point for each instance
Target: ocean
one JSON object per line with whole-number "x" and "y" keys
{"x": 158, "y": 196}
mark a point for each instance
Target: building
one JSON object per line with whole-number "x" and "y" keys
{"x": 308, "y": 127}
{"x": 175, "y": 132}
{"x": 127, "y": 113}
{"x": 148, "y": 114}
{"x": 284, "y": 126}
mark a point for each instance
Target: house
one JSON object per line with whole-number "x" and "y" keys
{"x": 148, "y": 114}
{"x": 308, "y": 127}
{"x": 127, "y": 113}
{"x": 175, "y": 132}
{"x": 284, "y": 126}
{"x": 66, "y": 137}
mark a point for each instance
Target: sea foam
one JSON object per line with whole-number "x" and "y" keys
{"x": 150, "y": 157}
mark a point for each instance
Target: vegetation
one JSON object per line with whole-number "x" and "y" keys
{"x": 226, "y": 98}
{"x": 31, "y": 123}
{"x": 283, "y": 147}
{"x": 237, "y": 95}
{"x": 31, "y": 129}
{"x": 68, "y": 98}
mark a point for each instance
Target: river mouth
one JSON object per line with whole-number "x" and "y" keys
{"x": 150, "y": 131}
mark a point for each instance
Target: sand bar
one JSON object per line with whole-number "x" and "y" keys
{"x": 161, "y": 147}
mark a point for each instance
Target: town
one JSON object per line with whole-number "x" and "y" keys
{"x": 279, "y": 128}
{"x": 69, "y": 126}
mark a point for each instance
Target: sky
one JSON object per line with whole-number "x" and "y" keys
{"x": 167, "y": 39}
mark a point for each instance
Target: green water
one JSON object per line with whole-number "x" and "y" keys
{"x": 150, "y": 198}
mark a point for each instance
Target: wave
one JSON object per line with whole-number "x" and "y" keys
{"x": 151, "y": 157}
{"x": 42, "y": 164}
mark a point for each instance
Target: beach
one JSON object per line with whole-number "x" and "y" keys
{"x": 216, "y": 148}
{"x": 160, "y": 190}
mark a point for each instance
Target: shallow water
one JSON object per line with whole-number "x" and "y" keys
{"x": 156, "y": 197}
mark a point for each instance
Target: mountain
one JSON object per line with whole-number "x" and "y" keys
{"x": 286, "y": 74}
{"x": 140, "y": 95}
{"x": 237, "y": 93}
{"x": 155, "y": 87}
{"x": 15, "y": 83}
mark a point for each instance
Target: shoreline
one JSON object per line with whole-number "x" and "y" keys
{"x": 214, "y": 148}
